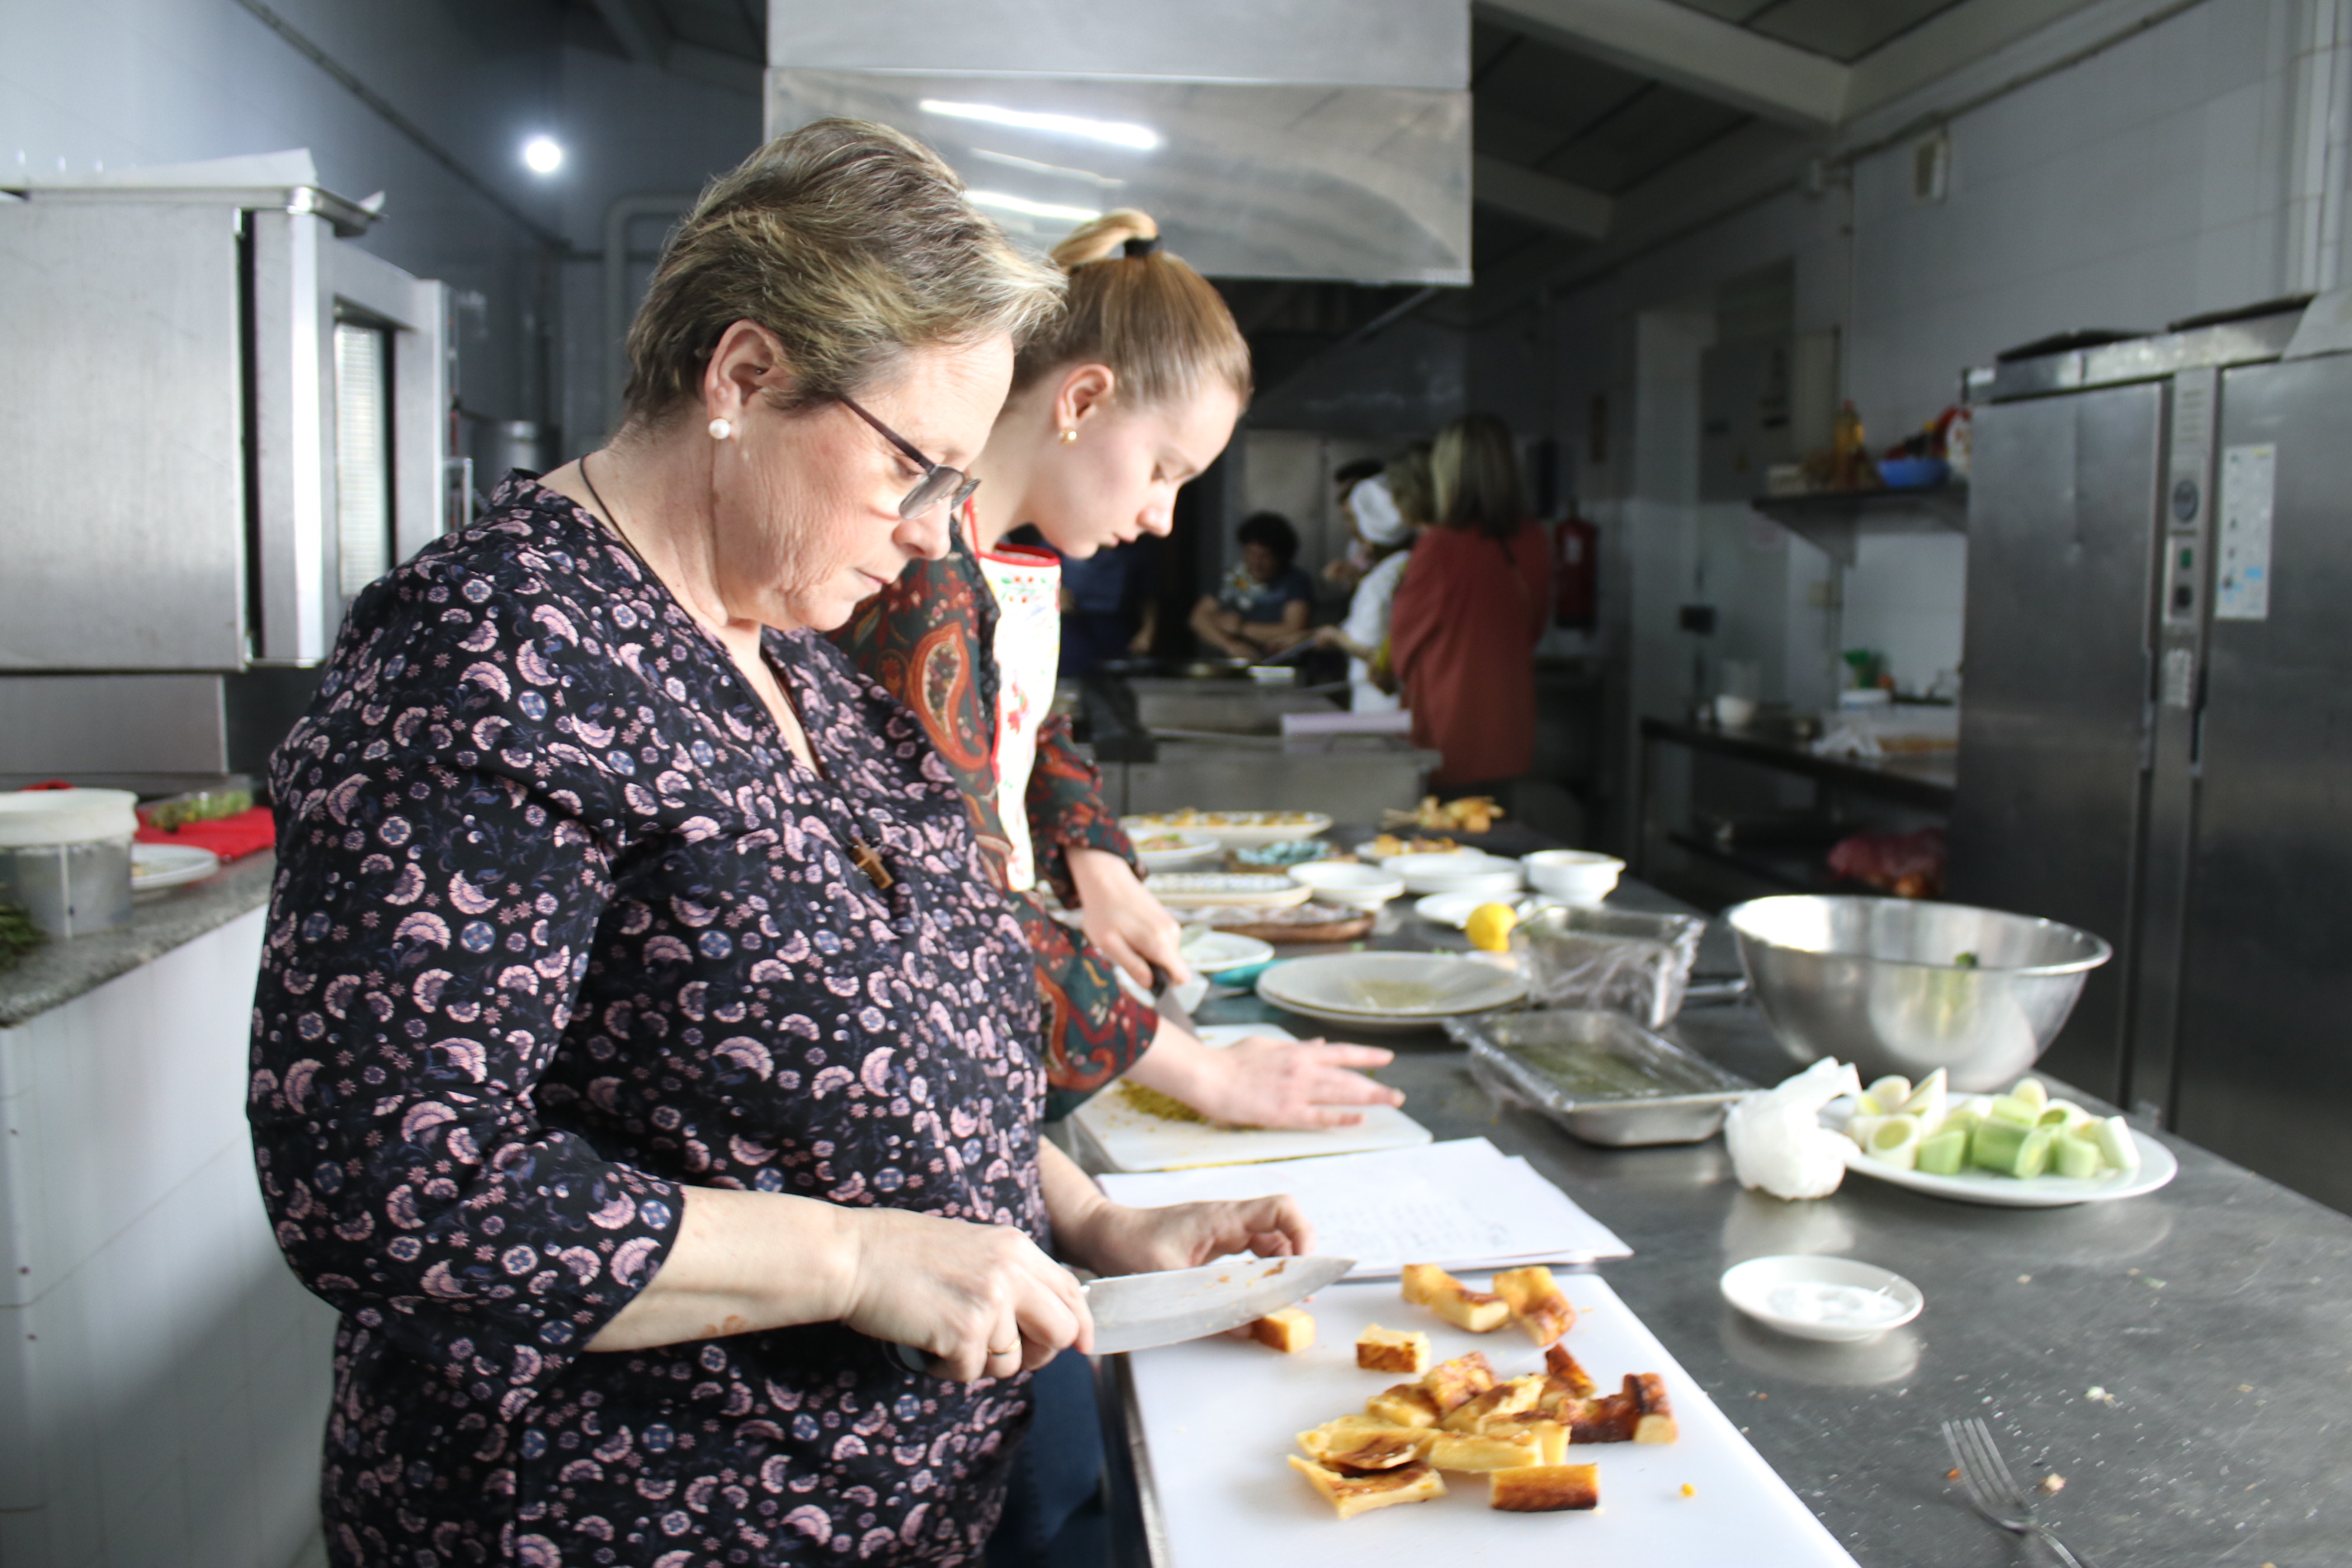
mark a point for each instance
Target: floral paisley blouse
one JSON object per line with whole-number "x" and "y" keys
{"x": 927, "y": 639}
{"x": 560, "y": 928}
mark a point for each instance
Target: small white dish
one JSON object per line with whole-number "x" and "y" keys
{"x": 1463, "y": 871}
{"x": 1573, "y": 876}
{"x": 1454, "y": 909}
{"x": 1216, "y": 952}
{"x": 1266, "y": 889}
{"x": 1345, "y": 882}
{"x": 1842, "y": 1300}
{"x": 1173, "y": 850}
{"x": 155, "y": 866}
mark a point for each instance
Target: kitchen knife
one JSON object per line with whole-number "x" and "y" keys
{"x": 1137, "y": 1312}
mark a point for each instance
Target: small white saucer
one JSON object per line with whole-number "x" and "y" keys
{"x": 1753, "y": 1286}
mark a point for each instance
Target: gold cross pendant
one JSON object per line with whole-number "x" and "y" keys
{"x": 869, "y": 860}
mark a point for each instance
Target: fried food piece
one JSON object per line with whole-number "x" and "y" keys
{"x": 1573, "y": 1379}
{"x": 1551, "y": 1434}
{"x": 1288, "y": 1331}
{"x": 1456, "y": 1382}
{"x": 1655, "y": 1424}
{"x": 1393, "y": 1350}
{"x": 1611, "y": 1418}
{"x": 1352, "y": 1494}
{"x": 1496, "y": 1404}
{"x": 1484, "y": 1451}
{"x": 1357, "y": 1444}
{"x": 1406, "y": 1404}
{"x": 1427, "y": 1285}
{"x": 1544, "y": 1489}
{"x": 1536, "y": 1302}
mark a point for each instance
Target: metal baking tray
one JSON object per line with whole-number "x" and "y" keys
{"x": 1601, "y": 1075}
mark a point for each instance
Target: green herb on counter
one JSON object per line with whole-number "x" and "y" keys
{"x": 19, "y": 935}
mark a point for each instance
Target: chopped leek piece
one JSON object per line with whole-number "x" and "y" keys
{"x": 2033, "y": 1090}
{"x": 2075, "y": 1115}
{"x": 1890, "y": 1093}
{"x": 2055, "y": 1117}
{"x": 1859, "y": 1127}
{"x": 2008, "y": 1108}
{"x": 2011, "y": 1148}
{"x": 2118, "y": 1147}
{"x": 1864, "y": 1105}
{"x": 1895, "y": 1141}
{"x": 1964, "y": 961}
{"x": 2078, "y": 1157}
{"x": 1946, "y": 1153}
{"x": 1927, "y": 1102}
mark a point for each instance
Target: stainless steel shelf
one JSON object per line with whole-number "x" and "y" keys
{"x": 1833, "y": 520}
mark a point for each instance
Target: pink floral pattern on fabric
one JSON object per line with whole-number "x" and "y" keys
{"x": 561, "y": 929}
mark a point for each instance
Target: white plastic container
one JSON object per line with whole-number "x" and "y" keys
{"x": 64, "y": 857}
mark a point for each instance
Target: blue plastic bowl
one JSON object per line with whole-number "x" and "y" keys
{"x": 1913, "y": 473}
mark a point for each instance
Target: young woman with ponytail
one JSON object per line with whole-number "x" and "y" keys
{"x": 1134, "y": 391}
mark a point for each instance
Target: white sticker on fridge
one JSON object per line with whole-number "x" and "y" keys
{"x": 2241, "y": 564}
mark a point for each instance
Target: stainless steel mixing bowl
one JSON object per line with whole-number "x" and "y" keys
{"x": 1883, "y": 983}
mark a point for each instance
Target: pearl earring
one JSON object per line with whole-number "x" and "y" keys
{"x": 720, "y": 430}
{"x": 1069, "y": 434}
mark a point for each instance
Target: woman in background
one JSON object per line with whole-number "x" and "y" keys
{"x": 1266, "y": 602}
{"x": 1469, "y": 611}
{"x": 1389, "y": 511}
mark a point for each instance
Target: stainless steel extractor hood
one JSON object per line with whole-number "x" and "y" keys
{"x": 1317, "y": 138}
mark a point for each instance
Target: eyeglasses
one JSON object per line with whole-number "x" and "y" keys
{"x": 938, "y": 483}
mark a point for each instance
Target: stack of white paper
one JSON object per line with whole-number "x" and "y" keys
{"x": 1464, "y": 1205}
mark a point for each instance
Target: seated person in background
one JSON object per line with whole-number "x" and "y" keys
{"x": 1104, "y": 605}
{"x": 1266, "y": 602}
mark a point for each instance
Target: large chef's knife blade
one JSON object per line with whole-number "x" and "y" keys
{"x": 1137, "y": 1312}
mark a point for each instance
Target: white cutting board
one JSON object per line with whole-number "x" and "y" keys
{"x": 1133, "y": 1140}
{"x": 1219, "y": 1414}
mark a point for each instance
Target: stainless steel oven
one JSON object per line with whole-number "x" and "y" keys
{"x": 224, "y": 420}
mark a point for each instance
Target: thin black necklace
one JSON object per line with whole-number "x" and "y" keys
{"x": 864, "y": 856}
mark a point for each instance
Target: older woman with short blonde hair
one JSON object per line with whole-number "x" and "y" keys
{"x": 641, "y": 1043}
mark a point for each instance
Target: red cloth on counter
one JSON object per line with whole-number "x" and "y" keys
{"x": 228, "y": 836}
{"x": 1463, "y": 637}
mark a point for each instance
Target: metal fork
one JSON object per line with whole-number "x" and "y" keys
{"x": 1994, "y": 1493}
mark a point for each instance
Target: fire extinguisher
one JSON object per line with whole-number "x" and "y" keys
{"x": 1575, "y": 573}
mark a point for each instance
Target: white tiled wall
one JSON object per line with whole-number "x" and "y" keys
{"x": 162, "y": 1377}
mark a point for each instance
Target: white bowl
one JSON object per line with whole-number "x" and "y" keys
{"x": 1456, "y": 909}
{"x": 1775, "y": 1291}
{"x": 1345, "y": 882}
{"x": 1576, "y": 876}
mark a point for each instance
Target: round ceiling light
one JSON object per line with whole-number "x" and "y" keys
{"x": 542, "y": 154}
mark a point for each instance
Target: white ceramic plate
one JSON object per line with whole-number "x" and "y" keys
{"x": 1253, "y": 889}
{"x": 1454, "y": 909}
{"x": 2156, "y": 1166}
{"x": 1365, "y": 851}
{"x": 1233, "y": 829}
{"x": 1345, "y": 882}
{"x": 1394, "y": 988}
{"x": 1196, "y": 849}
{"x": 1752, "y": 1286}
{"x": 1216, "y": 951}
{"x": 1465, "y": 871}
{"x": 154, "y": 866}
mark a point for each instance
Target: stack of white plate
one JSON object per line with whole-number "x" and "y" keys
{"x": 1182, "y": 889}
{"x": 1459, "y": 871}
{"x": 1347, "y": 883}
{"x": 1389, "y": 990}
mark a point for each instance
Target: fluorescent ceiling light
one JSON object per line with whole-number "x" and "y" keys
{"x": 542, "y": 154}
{"x": 1118, "y": 133}
{"x": 1010, "y": 162}
{"x": 1027, "y": 208}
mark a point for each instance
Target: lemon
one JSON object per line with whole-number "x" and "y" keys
{"x": 1489, "y": 926}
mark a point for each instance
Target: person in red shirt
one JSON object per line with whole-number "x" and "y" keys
{"x": 1463, "y": 634}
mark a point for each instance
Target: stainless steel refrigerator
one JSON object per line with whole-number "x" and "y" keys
{"x": 2156, "y": 738}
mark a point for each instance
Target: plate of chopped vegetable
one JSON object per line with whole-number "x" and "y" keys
{"x": 2023, "y": 1149}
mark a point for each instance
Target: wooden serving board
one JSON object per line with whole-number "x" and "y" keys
{"x": 1219, "y": 1414}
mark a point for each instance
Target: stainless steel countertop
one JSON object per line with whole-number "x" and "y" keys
{"x": 2216, "y": 1314}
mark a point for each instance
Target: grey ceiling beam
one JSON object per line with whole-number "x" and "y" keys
{"x": 1540, "y": 198}
{"x": 1690, "y": 49}
{"x": 1954, "y": 39}
{"x": 638, "y": 23}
